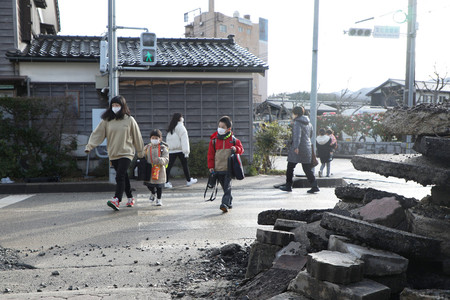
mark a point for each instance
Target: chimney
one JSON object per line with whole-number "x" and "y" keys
{"x": 211, "y": 5}
{"x": 247, "y": 17}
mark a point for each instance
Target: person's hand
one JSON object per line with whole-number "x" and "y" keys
{"x": 211, "y": 170}
{"x": 186, "y": 155}
{"x": 233, "y": 148}
{"x": 296, "y": 151}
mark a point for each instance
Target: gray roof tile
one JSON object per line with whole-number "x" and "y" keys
{"x": 180, "y": 53}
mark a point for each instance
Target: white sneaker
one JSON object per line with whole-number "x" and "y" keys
{"x": 152, "y": 197}
{"x": 192, "y": 181}
{"x": 168, "y": 185}
{"x": 158, "y": 202}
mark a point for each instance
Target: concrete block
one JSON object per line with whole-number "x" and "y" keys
{"x": 441, "y": 195}
{"x": 274, "y": 237}
{"x": 376, "y": 262}
{"x": 316, "y": 289}
{"x": 434, "y": 147}
{"x": 386, "y": 211}
{"x": 287, "y": 225}
{"x": 261, "y": 258}
{"x": 381, "y": 237}
{"x": 290, "y": 262}
{"x": 335, "y": 267}
{"x": 294, "y": 248}
{"x": 269, "y": 217}
{"x": 289, "y": 296}
{"x": 395, "y": 282}
{"x": 410, "y": 294}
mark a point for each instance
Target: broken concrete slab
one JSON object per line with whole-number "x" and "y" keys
{"x": 311, "y": 236}
{"x": 317, "y": 242}
{"x": 422, "y": 119}
{"x": 381, "y": 237}
{"x": 385, "y": 211}
{"x": 287, "y": 225}
{"x": 274, "y": 237}
{"x": 366, "y": 289}
{"x": 269, "y": 217}
{"x": 376, "y": 262}
{"x": 293, "y": 248}
{"x": 335, "y": 267}
{"x": 414, "y": 167}
{"x": 410, "y": 294}
{"x": 290, "y": 262}
{"x": 261, "y": 258}
{"x": 267, "y": 284}
{"x": 354, "y": 194}
{"x": 395, "y": 282}
{"x": 441, "y": 195}
{"x": 430, "y": 226}
{"x": 434, "y": 147}
{"x": 289, "y": 296}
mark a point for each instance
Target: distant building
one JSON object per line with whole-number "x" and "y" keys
{"x": 390, "y": 92}
{"x": 253, "y": 37}
{"x": 280, "y": 109}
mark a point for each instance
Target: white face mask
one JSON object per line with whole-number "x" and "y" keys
{"x": 221, "y": 131}
{"x": 182, "y": 120}
{"x": 154, "y": 141}
{"x": 116, "y": 109}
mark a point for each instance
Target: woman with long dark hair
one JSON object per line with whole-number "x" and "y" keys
{"x": 178, "y": 141}
{"x": 124, "y": 140}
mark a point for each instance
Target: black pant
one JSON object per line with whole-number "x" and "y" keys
{"x": 307, "y": 168}
{"x": 225, "y": 181}
{"x": 172, "y": 158}
{"x": 155, "y": 189}
{"x": 121, "y": 166}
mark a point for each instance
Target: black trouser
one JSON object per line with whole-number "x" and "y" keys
{"x": 172, "y": 158}
{"x": 155, "y": 189}
{"x": 225, "y": 181}
{"x": 121, "y": 166}
{"x": 307, "y": 168}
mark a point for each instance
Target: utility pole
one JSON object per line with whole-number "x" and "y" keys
{"x": 112, "y": 51}
{"x": 315, "y": 49}
{"x": 410, "y": 53}
{"x": 408, "y": 95}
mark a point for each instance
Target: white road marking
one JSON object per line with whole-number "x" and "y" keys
{"x": 13, "y": 199}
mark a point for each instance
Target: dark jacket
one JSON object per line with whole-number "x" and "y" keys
{"x": 301, "y": 139}
{"x": 323, "y": 143}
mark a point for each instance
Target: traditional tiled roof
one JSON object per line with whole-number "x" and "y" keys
{"x": 419, "y": 85}
{"x": 180, "y": 54}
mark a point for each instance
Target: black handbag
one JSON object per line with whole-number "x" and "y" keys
{"x": 235, "y": 167}
{"x": 212, "y": 183}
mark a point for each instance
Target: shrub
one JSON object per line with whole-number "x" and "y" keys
{"x": 32, "y": 137}
{"x": 270, "y": 140}
{"x": 197, "y": 161}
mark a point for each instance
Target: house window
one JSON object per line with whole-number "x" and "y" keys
{"x": 240, "y": 29}
{"x": 442, "y": 99}
{"x": 232, "y": 26}
{"x": 223, "y": 28}
{"x": 249, "y": 31}
{"x": 75, "y": 98}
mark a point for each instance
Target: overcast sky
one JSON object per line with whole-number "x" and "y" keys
{"x": 344, "y": 61}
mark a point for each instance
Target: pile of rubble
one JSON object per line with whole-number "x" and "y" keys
{"x": 373, "y": 244}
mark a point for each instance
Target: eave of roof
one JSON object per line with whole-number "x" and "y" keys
{"x": 174, "y": 54}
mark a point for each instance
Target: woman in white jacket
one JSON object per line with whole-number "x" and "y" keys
{"x": 178, "y": 141}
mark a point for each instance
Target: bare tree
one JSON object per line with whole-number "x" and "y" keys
{"x": 439, "y": 82}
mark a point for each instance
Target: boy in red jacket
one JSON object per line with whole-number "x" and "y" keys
{"x": 221, "y": 146}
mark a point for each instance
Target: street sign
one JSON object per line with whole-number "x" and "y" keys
{"x": 390, "y": 32}
{"x": 103, "y": 56}
{"x": 148, "y": 49}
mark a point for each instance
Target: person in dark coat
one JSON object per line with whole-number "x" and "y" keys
{"x": 300, "y": 150}
{"x": 324, "y": 150}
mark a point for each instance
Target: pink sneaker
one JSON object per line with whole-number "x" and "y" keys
{"x": 130, "y": 202}
{"x": 114, "y": 203}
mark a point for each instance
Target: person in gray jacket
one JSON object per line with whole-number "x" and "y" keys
{"x": 300, "y": 150}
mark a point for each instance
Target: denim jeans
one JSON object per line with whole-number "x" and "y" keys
{"x": 225, "y": 181}
{"x": 121, "y": 166}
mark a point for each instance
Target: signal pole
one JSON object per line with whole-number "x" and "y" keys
{"x": 112, "y": 51}
{"x": 315, "y": 50}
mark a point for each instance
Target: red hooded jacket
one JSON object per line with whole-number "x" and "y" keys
{"x": 220, "y": 145}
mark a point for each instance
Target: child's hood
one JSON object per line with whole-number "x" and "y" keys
{"x": 322, "y": 139}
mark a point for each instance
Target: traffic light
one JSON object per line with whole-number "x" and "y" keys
{"x": 148, "y": 49}
{"x": 359, "y": 32}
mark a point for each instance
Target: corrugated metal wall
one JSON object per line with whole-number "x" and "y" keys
{"x": 153, "y": 102}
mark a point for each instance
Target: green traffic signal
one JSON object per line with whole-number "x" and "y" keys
{"x": 148, "y": 56}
